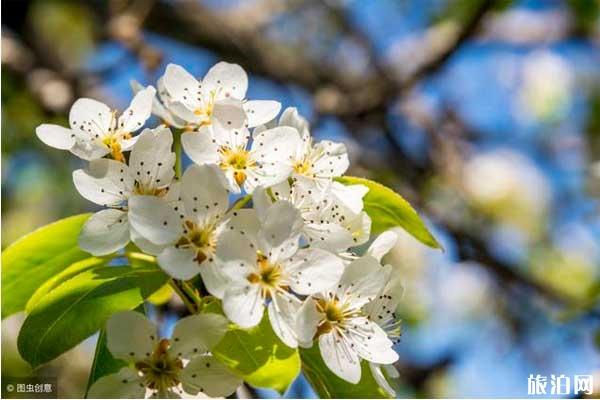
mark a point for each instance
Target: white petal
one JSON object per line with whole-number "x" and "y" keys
{"x": 124, "y": 384}
{"x": 138, "y": 111}
{"x": 339, "y": 357}
{"x": 245, "y": 219}
{"x": 366, "y": 278}
{"x": 350, "y": 196}
{"x": 56, "y": 136}
{"x": 229, "y": 114}
{"x": 276, "y": 145}
{"x": 280, "y": 230}
{"x": 200, "y": 147}
{"x": 197, "y": 334}
{"x": 360, "y": 227}
{"x": 225, "y": 80}
{"x": 104, "y": 182}
{"x": 144, "y": 244}
{"x": 381, "y": 379}
{"x": 260, "y": 112}
{"x": 151, "y": 161}
{"x": 89, "y": 150}
{"x": 314, "y": 270}
{"x": 182, "y": 87}
{"x": 291, "y": 117}
{"x": 261, "y": 201}
{"x": 202, "y": 191}
{"x": 383, "y": 244}
{"x": 232, "y": 138}
{"x": 334, "y": 160}
{"x": 372, "y": 343}
{"x": 154, "y": 219}
{"x": 282, "y": 312}
{"x": 205, "y": 374}
{"x": 267, "y": 174}
{"x": 307, "y": 321}
{"x": 179, "y": 263}
{"x": 214, "y": 278}
{"x": 105, "y": 232}
{"x": 130, "y": 336}
{"x": 90, "y": 117}
{"x": 237, "y": 253}
{"x": 327, "y": 235}
{"x": 243, "y": 304}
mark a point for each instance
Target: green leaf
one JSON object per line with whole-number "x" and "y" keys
{"x": 327, "y": 385}
{"x": 388, "y": 209}
{"x": 80, "y": 306}
{"x": 259, "y": 356}
{"x": 104, "y": 363}
{"x": 36, "y": 257}
{"x": 63, "y": 276}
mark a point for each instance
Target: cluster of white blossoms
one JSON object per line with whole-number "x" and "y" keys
{"x": 292, "y": 253}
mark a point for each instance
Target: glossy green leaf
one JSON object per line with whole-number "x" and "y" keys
{"x": 328, "y": 385}
{"x": 36, "y": 257}
{"x": 259, "y": 356}
{"x": 80, "y": 306}
{"x": 388, "y": 209}
{"x": 63, "y": 276}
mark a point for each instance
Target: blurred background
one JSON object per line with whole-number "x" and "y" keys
{"x": 484, "y": 114}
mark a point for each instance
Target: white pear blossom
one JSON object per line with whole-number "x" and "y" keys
{"x": 268, "y": 270}
{"x": 218, "y": 100}
{"x": 343, "y": 328}
{"x": 263, "y": 164}
{"x": 112, "y": 184}
{"x": 96, "y": 130}
{"x": 316, "y": 163}
{"x": 330, "y": 222}
{"x": 185, "y": 235}
{"x": 165, "y": 368}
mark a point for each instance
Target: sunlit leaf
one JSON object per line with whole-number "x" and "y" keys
{"x": 259, "y": 356}
{"x": 36, "y": 257}
{"x": 388, "y": 209}
{"x": 80, "y": 306}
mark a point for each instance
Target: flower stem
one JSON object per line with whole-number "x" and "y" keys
{"x": 177, "y": 147}
{"x": 176, "y": 285}
{"x": 193, "y": 294}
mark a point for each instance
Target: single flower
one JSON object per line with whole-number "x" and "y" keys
{"x": 185, "y": 235}
{"x": 318, "y": 163}
{"x": 260, "y": 164}
{"x": 165, "y": 368}
{"x": 267, "y": 269}
{"x": 343, "y": 329}
{"x": 112, "y": 184}
{"x": 218, "y": 100}
{"x": 96, "y": 130}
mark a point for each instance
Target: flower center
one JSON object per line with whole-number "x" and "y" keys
{"x": 238, "y": 159}
{"x": 201, "y": 238}
{"x": 205, "y": 112}
{"x": 160, "y": 371}
{"x": 149, "y": 189}
{"x": 268, "y": 276}
{"x": 303, "y": 167}
{"x": 334, "y": 315}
